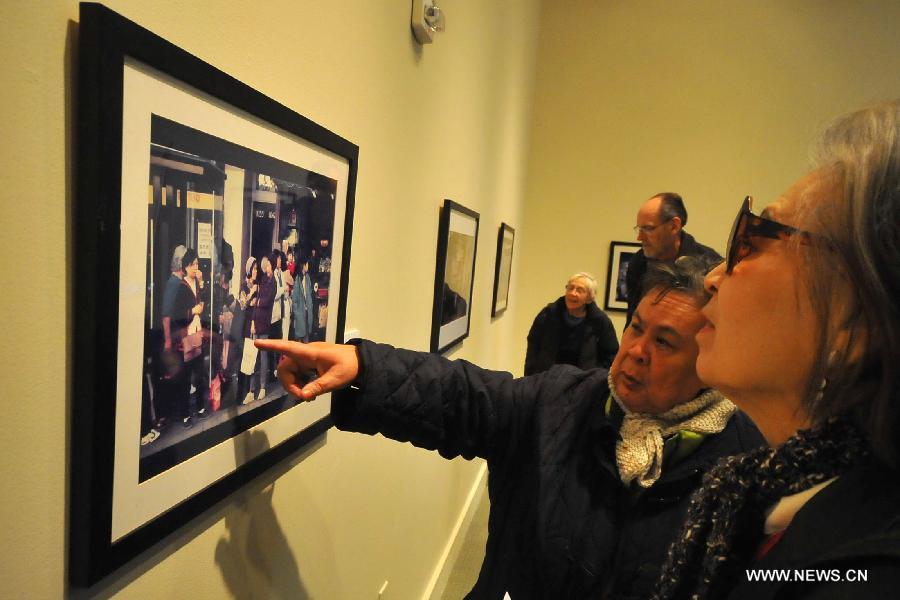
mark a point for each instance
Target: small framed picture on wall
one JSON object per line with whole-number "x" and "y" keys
{"x": 503, "y": 269}
{"x": 620, "y": 254}
{"x": 454, "y": 276}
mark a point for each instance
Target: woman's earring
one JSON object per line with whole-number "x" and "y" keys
{"x": 821, "y": 391}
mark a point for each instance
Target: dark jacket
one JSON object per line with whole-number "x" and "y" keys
{"x": 851, "y": 526}
{"x": 182, "y": 310}
{"x": 637, "y": 267}
{"x": 598, "y": 346}
{"x": 302, "y": 306}
{"x": 561, "y": 523}
{"x": 262, "y": 313}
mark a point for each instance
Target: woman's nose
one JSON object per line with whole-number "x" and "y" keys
{"x": 714, "y": 277}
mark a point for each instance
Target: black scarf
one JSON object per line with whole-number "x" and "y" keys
{"x": 724, "y": 524}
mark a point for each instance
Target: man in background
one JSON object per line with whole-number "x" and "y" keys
{"x": 660, "y": 229}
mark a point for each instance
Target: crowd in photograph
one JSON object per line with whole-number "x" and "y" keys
{"x": 201, "y": 358}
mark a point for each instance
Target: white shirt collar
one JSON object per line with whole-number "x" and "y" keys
{"x": 782, "y": 512}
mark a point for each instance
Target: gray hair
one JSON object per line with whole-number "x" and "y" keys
{"x": 591, "y": 283}
{"x": 177, "y": 255}
{"x": 853, "y": 275}
{"x": 685, "y": 276}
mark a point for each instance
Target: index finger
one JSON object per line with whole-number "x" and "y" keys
{"x": 296, "y": 350}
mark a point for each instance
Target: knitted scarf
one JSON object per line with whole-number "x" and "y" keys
{"x": 639, "y": 451}
{"x": 724, "y": 524}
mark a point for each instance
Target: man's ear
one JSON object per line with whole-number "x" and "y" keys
{"x": 676, "y": 224}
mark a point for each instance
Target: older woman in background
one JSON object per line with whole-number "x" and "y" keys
{"x": 804, "y": 335}
{"x": 572, "y": 330}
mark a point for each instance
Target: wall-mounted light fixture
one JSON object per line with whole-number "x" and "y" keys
{"x": 427, "y": 19}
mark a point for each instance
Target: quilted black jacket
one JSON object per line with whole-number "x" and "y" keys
{"x": 561, "y": 523}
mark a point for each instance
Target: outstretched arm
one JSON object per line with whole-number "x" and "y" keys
{"x": 336, "y": 364}
{"x": 454, "y": 407}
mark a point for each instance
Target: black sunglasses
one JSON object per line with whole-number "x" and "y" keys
{"x": 747, "y": 225}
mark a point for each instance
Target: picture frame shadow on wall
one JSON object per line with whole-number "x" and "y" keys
{"x": 620, "y": 253}
{"x": 196, "y": 194}
{"x": 502, "y": 269}
{"x": 454, "y": 276}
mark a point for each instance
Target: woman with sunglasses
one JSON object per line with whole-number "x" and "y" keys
{"x": 804, "y": 336}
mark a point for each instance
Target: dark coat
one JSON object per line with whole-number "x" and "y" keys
{"x": 561, "y": 523}
{"x": 598, "y": 347}
{"x": 852, "y": 525}
{"x": 262, "y": 312}
{"x": 302, "y": 306}
{"x": 181, "y": 310}
{"x": 637, "y": 267}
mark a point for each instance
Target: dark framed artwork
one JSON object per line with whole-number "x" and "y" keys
{"x": 620, "y": 253}
{"x": 454, "y": 276}
{"x": 502, "y": 269}
{"x": 208, "y": 215}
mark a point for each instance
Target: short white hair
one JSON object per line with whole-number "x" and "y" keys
{"x": 591, "y": 283}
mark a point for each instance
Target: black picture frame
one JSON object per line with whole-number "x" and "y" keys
{"x": 506, "y": 238}
{"x": 121, "y": 504}
{"x": 620, "y": 253}
{"x": 454, "y": 276}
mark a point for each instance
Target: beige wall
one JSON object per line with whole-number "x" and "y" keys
{"x": 446, "y": 121}
{"x": 712, "y": 99}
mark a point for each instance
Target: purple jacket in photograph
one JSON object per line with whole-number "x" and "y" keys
{"x": 262, "y": 313}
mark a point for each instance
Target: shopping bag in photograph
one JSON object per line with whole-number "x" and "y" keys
{"x": 248, "y": 360}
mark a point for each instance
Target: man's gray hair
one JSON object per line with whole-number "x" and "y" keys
{"x": 685, "y": 276}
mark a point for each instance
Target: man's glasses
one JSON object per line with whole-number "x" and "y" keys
{"x": 648, "y": 228}
{"x": 747, "y": 225}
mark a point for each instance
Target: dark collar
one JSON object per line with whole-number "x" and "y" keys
{"x": 858, "y": 514}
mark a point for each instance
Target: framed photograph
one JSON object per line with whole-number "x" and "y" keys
{"x": 620, "y": 253}
{"x": 208, "y": 216}
{"x": 502, "y": 269}
{"x": 454, "y": 276}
